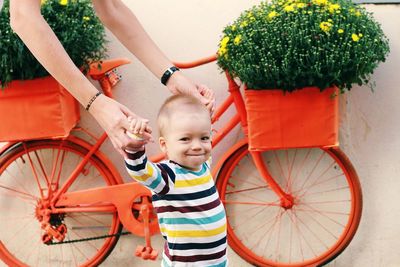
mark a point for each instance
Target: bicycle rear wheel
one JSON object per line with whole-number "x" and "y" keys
{"x": 22, "y": 199}
{"x": 322, "y": 221}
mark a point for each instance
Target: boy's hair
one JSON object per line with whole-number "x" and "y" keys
{"x": 177, "y": 103}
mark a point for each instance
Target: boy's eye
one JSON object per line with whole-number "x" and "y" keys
{"x": 205, "y": 138}
{"x": 184, "y": 139}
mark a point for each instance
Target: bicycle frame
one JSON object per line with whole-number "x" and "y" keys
{"x": 308, "y": 221}
{"x": 121, "y": 197}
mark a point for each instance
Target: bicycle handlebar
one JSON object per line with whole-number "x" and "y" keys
{"x": 196, "y": 63}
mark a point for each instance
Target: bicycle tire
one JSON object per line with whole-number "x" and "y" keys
{"x": 324, "y": 218}
{"x": 20, "y": 198}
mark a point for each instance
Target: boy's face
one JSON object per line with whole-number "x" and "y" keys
{"x": 187, "y": 139}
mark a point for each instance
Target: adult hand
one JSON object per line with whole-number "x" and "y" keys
{"x": 178, "y": 83}
{"x": 113, "y": 118}
{"x": 208, "y": 94}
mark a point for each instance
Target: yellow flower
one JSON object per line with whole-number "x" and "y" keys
{"x": 86, "y": 18}
{"x": 244, "y": 24}
{"x": 355, "y": 37}
{"x": 289, "y": 8}
{"x": 42, "y": 2}
{"x": 272, "y": 14}
{"x": 333, "y": 7}
{"x": 63, "y": 2}
{"x": 340, "y": 31}
{"x": 320, "y": 2}
{"x": 233, "y": 27}
{"x": 225, "y": 41}
{"x": 358, "y": 13}
{"x": 360, "y": 35}
{"x": 301, "y": 5}
{"x": 237, "y": 39}
{"x": 325, "y": 26}
{"x": 222, "y": 51}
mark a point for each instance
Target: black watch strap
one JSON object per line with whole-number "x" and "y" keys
{"x": 167, "y": 74}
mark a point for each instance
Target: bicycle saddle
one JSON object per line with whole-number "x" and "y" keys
{"x": 99, "y": 68}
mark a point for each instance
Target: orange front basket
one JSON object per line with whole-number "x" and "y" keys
{"x": 303, "y": 118}
{"x": 36, "y": 109}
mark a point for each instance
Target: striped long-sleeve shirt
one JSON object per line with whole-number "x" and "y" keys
{"x": 191, "y": 216}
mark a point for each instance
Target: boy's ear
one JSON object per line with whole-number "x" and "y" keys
{"x": 162, "y": 143}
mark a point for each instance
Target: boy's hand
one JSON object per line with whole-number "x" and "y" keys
{"x": 140, "y": 133}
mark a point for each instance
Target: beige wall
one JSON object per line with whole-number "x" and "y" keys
{"x": 370, "y": 129}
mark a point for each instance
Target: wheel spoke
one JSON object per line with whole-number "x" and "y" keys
{"x": 45, "y": 176}
{"x": 290, "y": 169}
{"x": 276, "y": 204}
{"x": 18, "y": 193}
{"x": 317, "y": 178}
{"x": 33, "y": 169}
{"x": 312, "y": 171}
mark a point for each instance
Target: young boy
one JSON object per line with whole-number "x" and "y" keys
{"x": 191, "y": 216}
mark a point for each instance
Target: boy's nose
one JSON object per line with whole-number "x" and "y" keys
{"x": 196, "y": 145}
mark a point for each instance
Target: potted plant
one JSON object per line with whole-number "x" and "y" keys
{"x": 28, "y": 95}
{"x": 321, "y": 46}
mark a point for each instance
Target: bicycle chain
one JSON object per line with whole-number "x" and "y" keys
{"x": 87, "y": 239}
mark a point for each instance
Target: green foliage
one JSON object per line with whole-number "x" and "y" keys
{"x": 298, "y": 43}
{"x": 75, "y": 24}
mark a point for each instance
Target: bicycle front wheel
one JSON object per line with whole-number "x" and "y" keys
{"x": 23, "y": 198}
{"x": 323, "y": 219}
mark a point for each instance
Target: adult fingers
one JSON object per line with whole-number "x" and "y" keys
{"x": 127, "y": 123}
{"x": 209, "y": 95}
{"x": 148, "y": 129}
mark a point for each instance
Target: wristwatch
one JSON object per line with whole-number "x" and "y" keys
{"x": 167, "y": 74}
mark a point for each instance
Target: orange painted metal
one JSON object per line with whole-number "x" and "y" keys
{"x": 196, "y": 63}
{"x": 304, "y": 118}
{"x": 36, "y": 109}
{"x": 98, "y": 69}
{"x": 285, "y": 199}
{"x": 100, "y": 155}
{"x": 121, "y": 196}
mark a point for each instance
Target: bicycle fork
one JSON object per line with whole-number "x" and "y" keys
{"x": 286, "y": 200}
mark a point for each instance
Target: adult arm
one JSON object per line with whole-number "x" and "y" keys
{"x": 120, "y": 20}
{"x": 27, "y": 21}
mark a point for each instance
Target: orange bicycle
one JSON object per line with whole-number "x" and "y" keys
{"x": 63, "y": 202}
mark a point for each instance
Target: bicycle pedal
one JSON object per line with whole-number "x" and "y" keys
{"x": 47, "y": 239}
{"x": 154, "y": 254}
{"x": 139, "y": 251}
{"x": 146, "y": 253}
